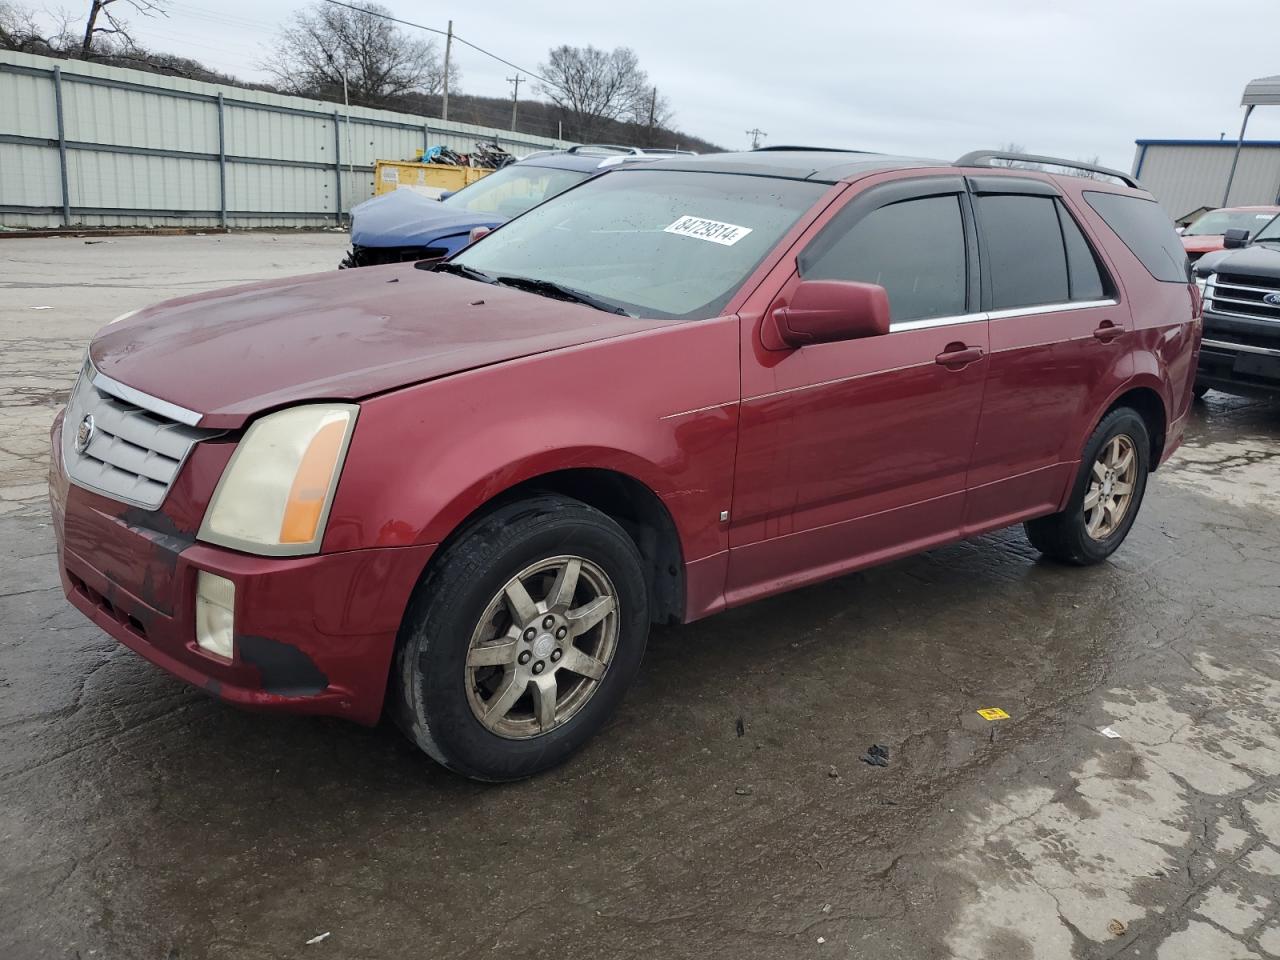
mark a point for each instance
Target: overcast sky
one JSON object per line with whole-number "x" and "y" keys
{"x": 1074, "y": 78}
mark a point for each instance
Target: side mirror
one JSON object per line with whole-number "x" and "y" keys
{"x": 1179, "y": 230}
{"x": 446, "y": 194}
{"x": 824, "y": 311}
{"x": 477, "y": 233}
{"x": 1236, "y": 238}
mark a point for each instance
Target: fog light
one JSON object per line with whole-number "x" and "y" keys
{"x": 215, "y": 613}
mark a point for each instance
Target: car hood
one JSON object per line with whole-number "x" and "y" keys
{"x": 406, "y": 218}
{"x": 1258, "y": 259}
{"x": 230, "y": 354}
{"x": 1204, "y": 243}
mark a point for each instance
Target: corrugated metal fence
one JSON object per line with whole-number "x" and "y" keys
{"x": 83, "y": 144}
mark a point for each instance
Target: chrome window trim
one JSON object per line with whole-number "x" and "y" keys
{"x": 122, "y": 391}
{"x": 928, "y": 322}
{"x": 1244, "y": 347}
{"x": 1051, "y": 308}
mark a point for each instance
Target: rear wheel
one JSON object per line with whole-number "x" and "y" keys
{"x": 1107, "y": 494}
{"x": 522, "y": 640}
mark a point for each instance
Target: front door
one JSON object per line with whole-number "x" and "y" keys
{"x": 853, "y": 452}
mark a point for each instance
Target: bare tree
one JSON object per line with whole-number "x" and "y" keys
{"x": 324, "y": 42}
{"x": 1010, "y": 147}
{"x": 104, "y": 23}
{"x": 20, "y": 29}
{"x": 652, "y": 111}
{"x": 592, "y": 86}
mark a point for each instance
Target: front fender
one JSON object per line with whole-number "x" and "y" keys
{"x": 660, "y": 406}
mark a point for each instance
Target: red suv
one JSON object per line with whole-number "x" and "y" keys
{"x": 467, "y": 489}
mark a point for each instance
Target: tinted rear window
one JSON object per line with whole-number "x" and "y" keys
{"x": 1087, "y": 278}
{"x": 1023, "y": 246}
{"x": 1147, "y": 231}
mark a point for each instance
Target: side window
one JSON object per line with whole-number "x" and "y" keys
{"x": 915, "y": 249}
{"x": 1085, "y": 275}
{"x": 1022, "y": 244}
{"x": 1146, "y": 230}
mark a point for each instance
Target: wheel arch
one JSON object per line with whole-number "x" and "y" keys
{"x": 626, "y": 500}
{"x": 1147, "y": 400}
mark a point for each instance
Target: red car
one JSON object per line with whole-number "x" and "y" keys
{"x": 464, "y": 491}
{"x": 1206, "y": 233}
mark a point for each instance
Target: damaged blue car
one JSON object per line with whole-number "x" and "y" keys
{"x": 406, "y": 225}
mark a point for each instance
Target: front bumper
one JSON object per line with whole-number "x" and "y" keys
{"x": 313, "y": 634}
{"x": 1240, "y": 355}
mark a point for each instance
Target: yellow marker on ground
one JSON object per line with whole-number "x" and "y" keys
{"x": 992, "y": 713}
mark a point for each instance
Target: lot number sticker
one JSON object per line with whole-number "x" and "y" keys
{"x": 699, "y": 228}
{"x": 992, "y": 713}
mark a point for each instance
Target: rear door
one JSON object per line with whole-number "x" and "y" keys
{"x": 855, "y": 451}
{"x": 1058, "y": 333}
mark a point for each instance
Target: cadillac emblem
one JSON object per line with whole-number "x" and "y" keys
{"x": 85, "y": 433}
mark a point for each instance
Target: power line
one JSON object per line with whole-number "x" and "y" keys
{"x": 755, "y": 134}
{"x": 443, "y": 33}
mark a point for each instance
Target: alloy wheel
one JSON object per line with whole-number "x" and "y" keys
{"x": 532, "y": 664}
{"x": 1111, "y": 484}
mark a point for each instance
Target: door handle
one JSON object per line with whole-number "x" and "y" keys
{"x": 958, "y": 355}
{"x": 1107, "y": 331}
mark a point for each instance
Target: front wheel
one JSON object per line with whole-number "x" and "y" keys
{"x": 1106, "y": 496}
{"x": 522, "y": 640}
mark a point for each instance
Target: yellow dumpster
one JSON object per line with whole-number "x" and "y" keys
{"x": 429, "y": 178}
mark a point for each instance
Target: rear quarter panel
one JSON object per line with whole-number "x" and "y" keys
{"x": 1162, "y": 347}
{"x": 660, "y": 406}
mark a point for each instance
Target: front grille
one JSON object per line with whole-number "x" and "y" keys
{"x": 1239, "y": 295}
{"x": 132, "y": 454}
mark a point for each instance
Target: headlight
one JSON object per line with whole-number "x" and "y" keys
{"x": 1202, "y": 282}
{"x": 275, "y": 494}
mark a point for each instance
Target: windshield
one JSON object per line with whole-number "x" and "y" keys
{"x": 658, "y": 243}
{"x": 1269, "y": 233}
{"x": 511, "y": 191}
{"x": 1217, "y": 222}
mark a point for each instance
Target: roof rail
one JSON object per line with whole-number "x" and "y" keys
{"x": 614, "y": 147}
{"x": 982, "y": 158}
{"x": 782, "y": 146}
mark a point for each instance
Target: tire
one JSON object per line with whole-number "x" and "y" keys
{"x": 1065, "y": 536}
{"x": 438, "y": 693}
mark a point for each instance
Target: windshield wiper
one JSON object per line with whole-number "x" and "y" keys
{"x": 461, "y": 270}
{"x": 548, "y": 289}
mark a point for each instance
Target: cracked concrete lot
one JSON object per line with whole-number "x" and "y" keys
{"x": 141, "y": 819}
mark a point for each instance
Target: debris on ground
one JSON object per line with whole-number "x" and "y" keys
{"x": 992, "y": 713}
{"x": 1117, "y": 928}
{"x": 877, "y": 756}
{"x": 743, "y": 791}
{"x": 317, "y": 938}
{"x": 826, "y": 908}
{"x": 1109, "y": 733}
{"x": 822, "y": 939}
{"x": 832, "y": 772}
{"x": 42, "y": 308}
{"x": 741, "y": 727}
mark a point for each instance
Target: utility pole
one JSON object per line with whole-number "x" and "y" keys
{"x": 448, "y": 50}
{"x": 653, "y": 107}
{"x": 515, "y": 97}
{"x": 755, "y": 134}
